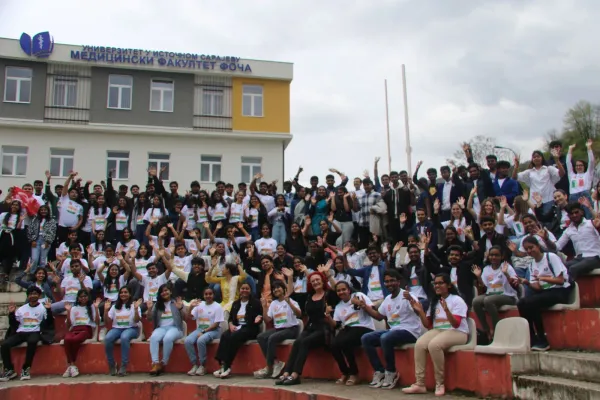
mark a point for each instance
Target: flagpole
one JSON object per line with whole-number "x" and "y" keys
{"x": 406, "y": 128}
{"x": 387, "y": 123}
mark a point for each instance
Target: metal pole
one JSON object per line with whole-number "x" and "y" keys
{"x": 387, "y": 123}
{"x": 406, "y": 129}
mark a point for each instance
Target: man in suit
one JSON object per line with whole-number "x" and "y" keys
{"x": 503, "y": 184}
{"x": 449, "y": 191}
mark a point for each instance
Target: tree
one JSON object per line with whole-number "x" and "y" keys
{"x": 481, "y": 147}
{"x": 583, "y": 121}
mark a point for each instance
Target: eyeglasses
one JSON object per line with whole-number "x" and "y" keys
{"x": 439, "y": 283}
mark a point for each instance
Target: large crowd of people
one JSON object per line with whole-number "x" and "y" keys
{"x": 392, "y": 260}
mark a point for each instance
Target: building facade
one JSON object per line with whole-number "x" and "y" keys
{"x": 93, "y": 109}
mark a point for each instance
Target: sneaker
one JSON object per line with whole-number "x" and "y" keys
{"x": 8, "y": 375}
{"x": 102, "y": 335}
{"x": 440, "y": 390}
{"x": 415, "y": 389}
{"x": 192, "y": 371}
{"x": 277, "y": 369}
{"x": 541, "y": 346}
{"x": 225, "y": 372}
{"x": 74, "y": 371}
{"x": 67, "y": 373}
{"x": 201, "y": 371}
{"x": 217, "y": 373}
{"x": 262, "y": 373}
{"x": 123, "y": 370}
{"x": 25, "y": 375}
{"x": 112, "y": 370}
{"x": 377, "y": 379}
{"x": 390, "y": 380}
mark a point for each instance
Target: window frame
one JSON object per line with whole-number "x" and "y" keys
{"x": 117, "y": 161}
{"x": 120, "y": 88}
{"x": 15, "y": 159}
{"x": 213, "y": 95}
{"x": 159, "y": 163}
{"x": 251, "y": 166}
{"x": 62, "y": 159}
{"x": 18, "y": 88}
{"x": 210, "y": 167}
{"x": 66, "y": 81}
{"x": 162, "y": 94}
{"x": 252, "y": 97}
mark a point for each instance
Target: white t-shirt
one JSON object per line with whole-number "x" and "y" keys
{"x": 141, "y": 265}
{"x": 182, "y": 263}
{"x": 63, "y": 249}
{"x": 266, "y": 246}
{"x": 267, "y": 200}
{"x": 252, "y": 216}
{"x": 112, "y": 293}
{"x": 415, "y": 285}
{"x": 516, "y": 226}
{"x": 457, "y": 307}
{"x": 98, "y": 262}
{"x": 541, "y": 268}
{"x": 123, "y": 318}
{"x": 241, "y": 315}
{"x": 497, "y": 283}
{"x": 190, "y": 217}
{"x": 12, "y": 222}
{"x": 153, "y": 215}
{"x": 72, "y": 285}
{"x": 237, "y": 213}
{"x": 120, "y": 220}
{"x": 99, "y": 218}
{"x": 218, "y": 212}
{"x": 30, "y": 318}
{"x": 80, "y": 317}
{"x": 166, "y": 318}
{"x": 300, "y": 283}
{"x": 282, "y": 314}
{"x": 66, "y": 266}
{"x": 400, "y": 314}
{"x": 133, "y": 244}
{"x": 239, "y": 241}
{"x": 151, "y": 286}
{"x": 375, "y": 291}
{"x": 207, "y": 314}
{"x": 349, "y": 317}
{"x": 69, "y": 212}
{"x": 459, "y": 225}
{"x": 540, "y": 240}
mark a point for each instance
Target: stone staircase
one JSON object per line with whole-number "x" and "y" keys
{"x": 558, "y": 375}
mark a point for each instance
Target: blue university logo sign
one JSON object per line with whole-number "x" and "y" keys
{"x": 41, "y": 45}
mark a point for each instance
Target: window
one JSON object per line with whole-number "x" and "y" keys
{"x": 17, "y": 85}
{"x": 250, "y": 167}
{"x": 161, "y": 95}
{"x": 120, "y": 91}
{"x": 252, "y": 101}
{"x": 61, "y": 162}
{"x": 212, "y": 102}
{"x": 160, "y": 161}
{"x": 14, "y": 160}
{"x": 119, "y": 161}
{"x": 65, "y": 92}
{"x": 210, "y": 168}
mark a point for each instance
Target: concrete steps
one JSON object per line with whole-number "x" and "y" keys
{"x": 571, "y": 365}
{"x": 530, "y": 387}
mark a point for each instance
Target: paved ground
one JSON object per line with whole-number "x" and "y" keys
{"x": 360, "y": 392}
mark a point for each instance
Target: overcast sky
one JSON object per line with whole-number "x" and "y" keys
{"x": 508, "y": 69}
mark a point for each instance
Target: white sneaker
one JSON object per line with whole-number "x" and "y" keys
{"x": 225, "y": 373}
{"x": 390, "y": 380}
{"x": 200, "y": 371}
{"x": 261, "y": 373}
{"x": 277, "y": 369}
{"x": 74, "y": 371}
{"x": 102, "y": 334}
{"x": 217, "y": 373}
{"x": 192, "y": 371}
{"x": 377, "y": 379}
{"x": 67, "y": 373}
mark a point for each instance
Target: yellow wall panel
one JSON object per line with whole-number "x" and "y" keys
{"x": 276, "y": 106}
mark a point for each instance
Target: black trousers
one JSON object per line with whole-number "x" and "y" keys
{"x": 31, "y": 338}
{"x": 531, "y": 307}
{"x": 343, "y": 346}
{"x": 62, "y": 233}
{"x": 364, "y": 237}
{"x": 309, "y": 339}
{"x": 9, "y": 250}
{"x": 231, "y": 342}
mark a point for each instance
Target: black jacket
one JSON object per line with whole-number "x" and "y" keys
{"x": 253, "y": 310}
{"x": 551, "y": 219}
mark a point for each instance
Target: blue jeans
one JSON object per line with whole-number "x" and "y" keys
{"x": 126, "y": 335}
{"x": 575, "y": 198}
{"x": 201, "y": 340}
{"x": 167, "y": 335}
{"x": 387, "y": 340}
{"x": 279, "y": 233}
{"x": 39, "y": 256}
{"x": 255, "y": 233}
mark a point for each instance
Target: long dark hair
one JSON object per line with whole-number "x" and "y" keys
{"x": 142, "y": 206}
{"x": 435, "y": 298}
{"x": 8, "y": 214}
{"x": 131, "y": 237}
{"x": 39, "y": 215}
{"x": 119, "y": 304}
{"x": 160, "y": 303}
{"x": 109, "y": 280}
{"x": 161, "y": 206}
{"x": 40, "y": 269}
{"x": 213, "y": 201}
{"x": 539, "y": 153}
{"x": 100, "y": 242}
{"x": 148, "y": 252}
{"x": 88, "y": 306}
{"x": 97, "y": 209}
